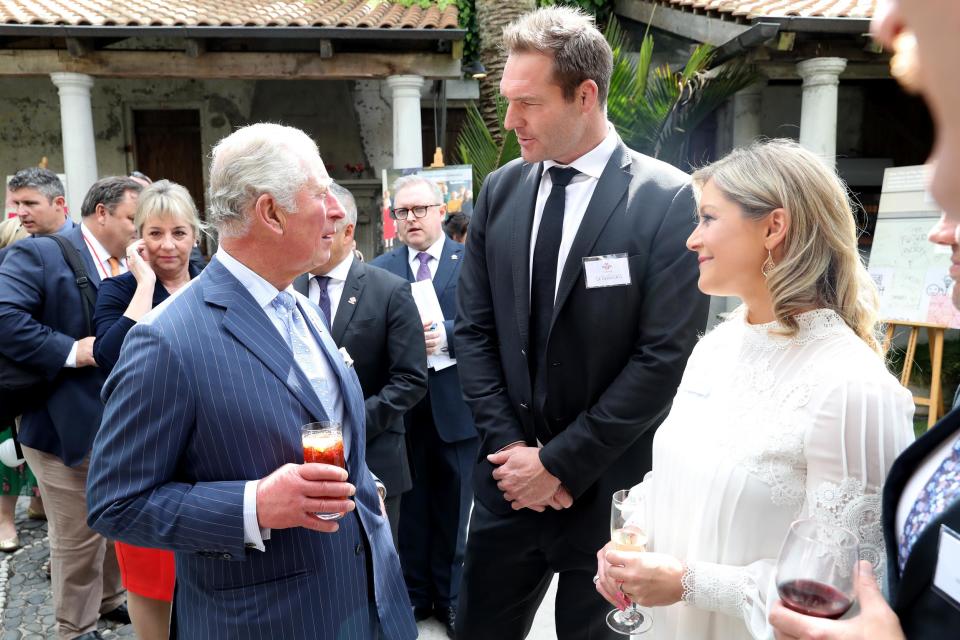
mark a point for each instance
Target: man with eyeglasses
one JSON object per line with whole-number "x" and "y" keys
{"x": 443, "y": 440}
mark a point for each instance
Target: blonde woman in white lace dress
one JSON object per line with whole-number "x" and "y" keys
{"x": 785, "y": 411}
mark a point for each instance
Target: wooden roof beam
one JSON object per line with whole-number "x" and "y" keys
{"x": 228, "y": 65}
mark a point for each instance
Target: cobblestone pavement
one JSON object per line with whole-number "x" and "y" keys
{"x": 27, "y": 603}
{"x": 25, "y": 588}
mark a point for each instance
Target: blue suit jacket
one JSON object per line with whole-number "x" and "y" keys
{"x": 206, "y": 395}
{"x": 41, "y": 313}
{"x": 451, "y": 414}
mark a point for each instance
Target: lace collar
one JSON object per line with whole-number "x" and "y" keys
{"x": 812, "y": 325}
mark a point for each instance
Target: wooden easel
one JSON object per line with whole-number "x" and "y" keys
{"x": 935, "y": 342}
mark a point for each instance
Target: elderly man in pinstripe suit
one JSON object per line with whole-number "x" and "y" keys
{"x": 199, "y": 450}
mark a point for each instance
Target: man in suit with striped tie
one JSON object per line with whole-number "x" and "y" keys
{"x": 199, "y": 450}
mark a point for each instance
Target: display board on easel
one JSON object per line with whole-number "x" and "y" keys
{"x": 913, "y": 274}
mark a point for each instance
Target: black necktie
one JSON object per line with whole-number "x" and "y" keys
{"x": 324, "y": 302}
{"x": 544, "y": 280}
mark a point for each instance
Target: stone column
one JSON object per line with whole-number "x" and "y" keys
{"x": 76, "y": 129}
{"x": 746, "y": 105}
{"x": 407, "y": 141}
{"x": 818, "y": 111}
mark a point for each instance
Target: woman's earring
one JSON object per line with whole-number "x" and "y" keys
{"x": 768, "y": 265}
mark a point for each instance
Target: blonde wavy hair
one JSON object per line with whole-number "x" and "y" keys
{"x": 820, "y": 266}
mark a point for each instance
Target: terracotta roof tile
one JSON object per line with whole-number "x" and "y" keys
{"x": 305, "y": 13}
{"x": 759, "y": 8}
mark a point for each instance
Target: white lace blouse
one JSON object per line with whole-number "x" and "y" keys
{"x": 764, "y": 430}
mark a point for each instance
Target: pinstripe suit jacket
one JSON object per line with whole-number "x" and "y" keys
{"x": 205, "y": 397}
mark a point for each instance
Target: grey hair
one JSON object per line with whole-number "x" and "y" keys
{"x": 579, "y": 50}
{"x": 408, "y": 181}
{"x": 109, "y": 192}
{"x": 254, "y": 160}
{"x": 166, "y": 199}
{"x": 347, "y": 202}
{"x": 820, "y": 266}
{"x": 43, "y": 180}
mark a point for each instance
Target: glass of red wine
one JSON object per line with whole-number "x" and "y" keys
{"x": 626, "y": 514}
{"x": 817, "y": 569}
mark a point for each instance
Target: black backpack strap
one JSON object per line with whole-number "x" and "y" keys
{"x": 87, "y": 292}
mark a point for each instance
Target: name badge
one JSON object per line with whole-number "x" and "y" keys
{"x": 606, "y": 271}
{"x": 946, "y": 577}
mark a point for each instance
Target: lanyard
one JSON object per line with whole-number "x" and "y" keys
{"x": 104, "y": 274}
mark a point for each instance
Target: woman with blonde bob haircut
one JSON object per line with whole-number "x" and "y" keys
{"x": 158, "y": 265}
{"x": 785, "y": 411}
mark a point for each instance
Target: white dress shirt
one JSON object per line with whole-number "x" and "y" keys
{"x": 578, "y": 194}
{"x": 264, "y": 293}
{"x": 338, "y": 279}
{"x": 435, "y": 251}
{"x": 101, "y": 259}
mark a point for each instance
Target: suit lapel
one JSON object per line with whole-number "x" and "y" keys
{"x": 350, "y": 391}
{"x": 522, "y": 207}
{"x": 450, "y": 257}
{"x": 75, "y": 237}
{"x": 352, "y": 290}
{"x": 610, "y": 190}
{"x": 918, "y": 572}
{"x": 250, "y": 326}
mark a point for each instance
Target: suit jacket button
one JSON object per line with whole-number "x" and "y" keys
{"x": 523, "y": 353}
{"x": 359, "y": 548}
{"x": 226, "y": 556}
{"x": 523, "y": 405}
{"x": 554, "y": 364}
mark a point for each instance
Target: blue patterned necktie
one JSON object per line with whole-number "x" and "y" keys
{"x": 300, "y": 341}
{"x": 941, "y": 490}
{"x": 423, "y": 271}
{"x": 324, "y": 303}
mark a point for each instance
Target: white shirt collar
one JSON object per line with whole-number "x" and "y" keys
{"x": 101, "y": 254}
{"x": 261, "y": 290}
{"x": 593, "y": 162}
{"x": 435, "y": 250}
{"x": 342, "y": 269}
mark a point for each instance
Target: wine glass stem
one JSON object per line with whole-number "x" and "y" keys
{"x": 630, "y": 615}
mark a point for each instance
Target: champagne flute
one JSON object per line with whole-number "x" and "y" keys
{"x": 817, "y": 569}
{"x": 627, "y": 509}
{"x": 323, "y": 443}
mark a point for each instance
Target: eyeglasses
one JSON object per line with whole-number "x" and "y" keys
{"x": 418, "y": 212}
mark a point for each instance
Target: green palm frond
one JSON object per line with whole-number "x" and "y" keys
{"x": 654, "y": 110}
{"x": 478, "y": 147}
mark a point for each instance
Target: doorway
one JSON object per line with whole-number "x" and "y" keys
{"x": 167, "y": 146}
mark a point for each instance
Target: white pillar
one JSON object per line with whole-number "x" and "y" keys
{"x": 818, "y": 111}
{"x": 747, "y": 105}
{"x": 76, "y": 128}
{"x": 407, "y": 141}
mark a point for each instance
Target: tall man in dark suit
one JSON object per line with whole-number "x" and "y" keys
{"x": 41, "y": 305}
{"x": 372, "y": 315}
{"x": 209, "y": 461}
{"x": 578, "y": 309}
{"x": 443, "y": 440}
